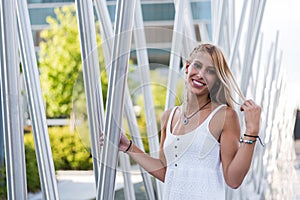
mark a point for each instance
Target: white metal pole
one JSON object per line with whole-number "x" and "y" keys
{"x": 258, "y": 68}
{"x": 114, "y": 109}
{"x": 203, "y": 32}
{"x": 144, "y": 71}
{"x": 91, "y": 75}
{"x": 220, "y": 22}
{"x": 236, "y": 40}
{"x": 189, "y": 35}
{"x": 36, "y": 105}
{"x": 2, "y": 161}
{"x": 252, "y": 48}
{"x": 175, "y": 55}
{"x": 107, "y": 36}
{"x": 13, "y": 133}
{"x": 128, "y": 186}
{"x": 106, "y": 31}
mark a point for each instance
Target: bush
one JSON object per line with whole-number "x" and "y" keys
{"x": 32, "y": 175}
{"x": 68, "y": 153}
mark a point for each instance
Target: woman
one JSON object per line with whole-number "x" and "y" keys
{"x": 200, "y": 147}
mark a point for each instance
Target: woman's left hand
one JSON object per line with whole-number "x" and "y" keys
{"x": 252, "y": 116}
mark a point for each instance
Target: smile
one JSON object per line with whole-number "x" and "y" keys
{"x": 198, "y": 83}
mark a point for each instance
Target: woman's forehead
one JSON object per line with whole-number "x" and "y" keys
{"x": 203, "y": 57}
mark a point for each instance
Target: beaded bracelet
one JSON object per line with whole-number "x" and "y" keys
{"x": 247, "y": 141}
{"x": 256, "y": 137}
{"x": 130, "y": 143}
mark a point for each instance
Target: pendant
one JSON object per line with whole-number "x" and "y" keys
{"x": 185, "y": 121}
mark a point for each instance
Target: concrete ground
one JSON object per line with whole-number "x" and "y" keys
{"x": 80, "y": 185}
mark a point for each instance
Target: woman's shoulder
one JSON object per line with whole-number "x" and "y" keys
{"x": 229, "y": 113}
{"x": 166, "y": 113}
{"x": 164, "y": 119}
{"x": 225, "y": 110}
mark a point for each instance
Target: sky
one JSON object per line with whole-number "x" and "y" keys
{"x": 284, "y": 16}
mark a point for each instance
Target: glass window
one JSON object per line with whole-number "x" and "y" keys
{"x": 49, "y": 1}
{"x": 38, "y": 15}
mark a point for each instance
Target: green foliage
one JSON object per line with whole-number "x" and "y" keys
{"x": 68, "y": 153}
{"x": 60, "y": 61}
{"x": 32, "y": 175}
{"x": 2, "y": 183}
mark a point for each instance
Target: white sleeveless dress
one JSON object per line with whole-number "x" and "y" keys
{"x": 194, "y": 169}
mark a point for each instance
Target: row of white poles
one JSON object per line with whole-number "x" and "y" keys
{"x": 116, "y": 90}
{"x": 107, "y": 36}
{"x": 11, "y": 103}
{"x": 91, "y": 77}
{"x": 36, "y": 104}
{"x": 265, "y": 82}
{"x": 16, "y": 30}
{"x": 275, "y": 130}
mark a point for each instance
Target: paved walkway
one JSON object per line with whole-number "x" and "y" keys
{"x": 80, "y": 185}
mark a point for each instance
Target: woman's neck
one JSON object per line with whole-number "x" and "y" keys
{"x": 193, "y": 102}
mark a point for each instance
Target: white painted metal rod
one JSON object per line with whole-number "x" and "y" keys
{"x": 13, "y": 134}
{"x": 236, "y": 39}
{"x": 144, "y": 71}
{"x": 107, "y": 35}
{"x": 175, "y": 55}
{"x": 91, "y": 75}
{"x": 114, "y": 109}
{"x": 252, "y": 48}
{"x": 36, "y": 104}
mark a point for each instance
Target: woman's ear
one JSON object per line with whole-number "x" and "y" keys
{"x": 186, "y": 69}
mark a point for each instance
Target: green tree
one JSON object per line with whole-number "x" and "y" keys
{"x": 60, "y": 62}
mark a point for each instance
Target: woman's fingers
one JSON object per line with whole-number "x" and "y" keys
{"x": 101, "y": 139}
{"x": 252, "y": 116}
{"x": 123, "y": 142}
{"x": 247, "y": 104}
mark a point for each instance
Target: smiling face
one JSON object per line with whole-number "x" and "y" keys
{"x": 208, "y": 74}
{"x": 201, "y": 74}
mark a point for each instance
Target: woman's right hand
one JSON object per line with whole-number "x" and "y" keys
{"x": 123, "y": 143}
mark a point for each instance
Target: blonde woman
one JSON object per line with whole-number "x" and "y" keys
{"x": 200, "y": 146}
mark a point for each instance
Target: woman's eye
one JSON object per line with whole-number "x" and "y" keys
{"x": 197, "y": 66}
{"x": 210, "y": 71}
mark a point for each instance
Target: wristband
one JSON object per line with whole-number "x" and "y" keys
{"x": 130, "y": 144}
{"x": 247, "y": 141}
{"x": 256, "y": 137}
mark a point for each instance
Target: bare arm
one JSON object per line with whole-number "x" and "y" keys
{"x": 236, "y": 157}
{"x": 155, "y": 166}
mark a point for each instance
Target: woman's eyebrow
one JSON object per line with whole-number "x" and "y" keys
{"x": 199, "y": 62}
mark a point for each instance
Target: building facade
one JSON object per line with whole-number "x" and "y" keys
{"x": 158, "y": 16}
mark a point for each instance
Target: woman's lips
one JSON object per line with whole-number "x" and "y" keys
{"x": 198, "y": 83}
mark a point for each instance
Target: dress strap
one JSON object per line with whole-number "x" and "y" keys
{"x": 170, "y": 119}
{"x": 215, "y": 111}
{"x": 211, "y": 116}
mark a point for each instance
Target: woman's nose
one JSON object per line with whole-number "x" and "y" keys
{"x": 200, "y": 73}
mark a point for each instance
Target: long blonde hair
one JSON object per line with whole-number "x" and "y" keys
{"x": 223, "y": 91}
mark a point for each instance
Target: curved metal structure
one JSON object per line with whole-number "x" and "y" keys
{"x": 264, "y": 80}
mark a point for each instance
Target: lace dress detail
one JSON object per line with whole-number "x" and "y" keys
{"x": 194, "y": 169}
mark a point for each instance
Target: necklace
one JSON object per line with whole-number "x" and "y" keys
{"x": 186, "y": 118}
